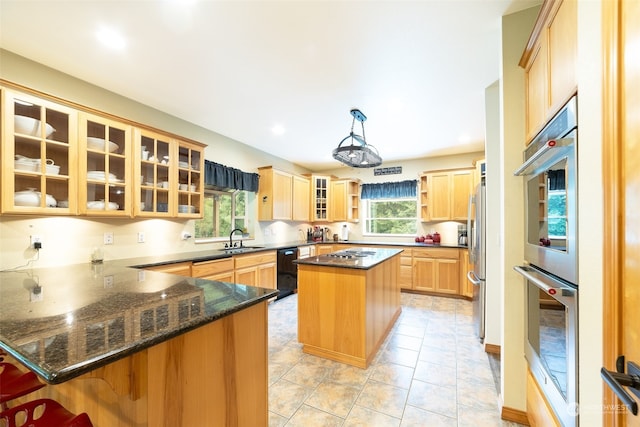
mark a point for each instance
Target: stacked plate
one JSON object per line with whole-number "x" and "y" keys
{"x": 99, "y": 144}
{"x": 186, "y": 209}
{"x": 100, "y": 205}
{"x": 101, "y": 176}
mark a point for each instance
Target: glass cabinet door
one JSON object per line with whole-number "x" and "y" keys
{"x": 39, "y": 149}
{"x": 154, "y": 173}
{"x": 190, "y": 180}
{"x": 321, "y": 198}
{"x": 105, "y": 167}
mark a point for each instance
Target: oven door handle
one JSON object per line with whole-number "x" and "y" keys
{"x": 544, "y": 282}
{"x": 543, "y": 154}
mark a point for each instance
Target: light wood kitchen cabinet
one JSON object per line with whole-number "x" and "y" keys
{"x": 345, "y": 200}
{"x": 105, "y": 167}
{"x": 320, "y": 198}
{"x": 324, "y": 249}
{"x": 219, "y": 269}
{"x": 436, "y": 270}
{"x": 39, "y": 156}
{"x": 275, "y": 195}
{"x": 301, "y": 198}
{"x": 259, "y": 269}
{"x": 444, "y": 195}
{"x": 282, "y": 196}
{"x": 549, "y": 61}
{"x": 405, "y": 278}
{"x": 168, "y": 176}
{"x": 179, "y": 268}
{"x": 190, "y": 159}
{"x": 155, "y": 176}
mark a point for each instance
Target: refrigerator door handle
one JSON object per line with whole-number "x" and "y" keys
{"x": 470, "y": 239}
{"x": 471, "y": 276}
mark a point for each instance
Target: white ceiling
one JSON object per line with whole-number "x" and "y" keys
{"x": 417, "y": 69}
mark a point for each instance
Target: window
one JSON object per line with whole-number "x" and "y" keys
{"x": 557, "y": 214}
{"x": 391, "y": 216}
{"x": 223, "y": 211}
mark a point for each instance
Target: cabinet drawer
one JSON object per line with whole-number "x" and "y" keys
{"x": 180, "y": 268}
{"x": 436, "y": 253}
{"x": 242, "y": 261}
{"x": 208, "y": 268}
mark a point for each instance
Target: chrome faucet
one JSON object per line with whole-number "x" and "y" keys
{"x": 231, "y": 236}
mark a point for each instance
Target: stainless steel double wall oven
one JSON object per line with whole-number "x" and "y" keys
{"x": 551, "y": 261}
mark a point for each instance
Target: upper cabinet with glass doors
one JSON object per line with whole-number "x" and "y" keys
{"x": 105, "y": 167}
{"x": 155, "y": 174}
{"x": 169, "y": 176}
{"x": 190, "y": 179}
{"x": 39, "y": 156}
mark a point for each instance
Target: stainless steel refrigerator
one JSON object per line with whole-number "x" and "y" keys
{"x": 476, "y": 224}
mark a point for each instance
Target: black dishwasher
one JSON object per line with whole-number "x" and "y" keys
{"x": 287, "y": 272}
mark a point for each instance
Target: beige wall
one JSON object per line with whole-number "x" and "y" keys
{"x": 515, "y": 33}
{"x": 590, "y": 214}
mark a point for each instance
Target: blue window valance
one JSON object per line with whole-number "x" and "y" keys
{"x": 390, "y": 190}
{"x": 222, "y": 176}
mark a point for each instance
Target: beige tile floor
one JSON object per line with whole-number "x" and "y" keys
{"x": 430, "y": 371}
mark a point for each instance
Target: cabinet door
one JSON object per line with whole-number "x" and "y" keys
{"x": 228, "y": 277}
{"x": 39, "y": 156}
{"x": 462, "y": 187}
{"x": 536, "y": 88}
{"x": 424, "y": 274}
{"x": 448, "y": 276}
{"x": 320, "y": 198}
{"x": 282, "y": 195}
{"x": 301, "y": 196}
{"x": 155, "y": 195}
{"x": 190, "y": 178}
{"x": 339, "y": 200}
{"x": 247, "y": 276}
{"x": 267, "y": 275}
{"x": 105, "y": 167}
{"x": 563, "y": 52}
{"x": 439, "y": 196}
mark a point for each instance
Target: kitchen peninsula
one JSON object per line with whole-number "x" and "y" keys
{"x": 348, "y": 302}
{"x": 140, "y": 348}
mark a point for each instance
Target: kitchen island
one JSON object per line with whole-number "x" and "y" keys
{"x": 140, "y": 348}
{"x": 348, "y": 302}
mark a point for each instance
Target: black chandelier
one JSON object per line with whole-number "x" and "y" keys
{"x": 353, "y": 150}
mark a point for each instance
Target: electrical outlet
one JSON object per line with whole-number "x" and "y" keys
{"x": 36, "y": 241}
{"x": 108, "y": 238}
{"x": 140, "y": 237}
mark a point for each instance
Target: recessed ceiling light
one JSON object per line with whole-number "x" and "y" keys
{"x": 111, "y": 38}
{"x": 277, "y": 130}
{"x": 464, "y": 138}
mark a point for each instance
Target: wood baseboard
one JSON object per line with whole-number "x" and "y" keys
{"x": 492, "y": 348}
{"x": 514, "y": 415}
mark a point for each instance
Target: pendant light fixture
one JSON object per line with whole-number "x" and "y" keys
{"x": 353, "y": 150}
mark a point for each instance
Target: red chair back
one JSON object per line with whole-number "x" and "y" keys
{"x": 43, "y": 413}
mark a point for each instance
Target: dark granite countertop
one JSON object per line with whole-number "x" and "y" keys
{"x": 65, "y": 321}
{"x": 209, "y": 255}
{"x": 362, "y": 258}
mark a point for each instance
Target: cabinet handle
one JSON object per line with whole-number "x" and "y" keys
{"x": 617, "y": 380}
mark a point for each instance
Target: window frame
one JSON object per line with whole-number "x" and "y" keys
{"x": 210, "y": 193}
{"x": 367, "y": 217}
